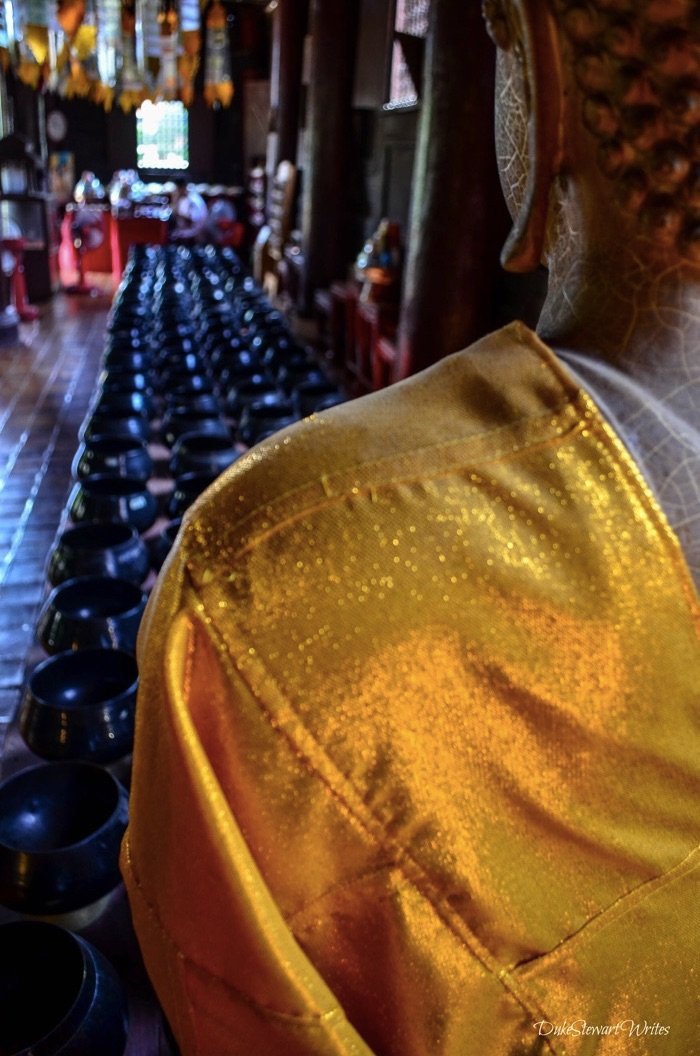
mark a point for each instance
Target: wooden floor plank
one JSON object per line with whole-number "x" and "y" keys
{"x": 46, "y": 382}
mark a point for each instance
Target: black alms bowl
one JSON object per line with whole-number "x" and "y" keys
{"x": 126, "y": 356}
{"x": 80, "y": 705}
{"x": 186, "y": 383}
{"x": 163, "y": 543}
{"x": 102, "y": 497}
{"x": 202, "y": 453}
{"x": 120, "y": 456}
{"x": 58, "y": 995}
{"x": 264, "y": 417}
{"x": 122, "y": 379}
{"x": 180, "y": 419}
{"x": 61, "y": 826}
{"x": 310, "y": 393}
{"x": 91, "y": 612}
{"x": 192, "y": 401}
{"x": 97, "y": 548}
{"x": 188, "y": 487}
{"x": 248, "y": 390}
{"x": 114, "y": 424}
{"x": 129, "y": 403}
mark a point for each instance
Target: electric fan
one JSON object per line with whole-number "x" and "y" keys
{"x": 12, "y": 246}
{"x": 224, "y": 227}
{"x": 87, "y": 234}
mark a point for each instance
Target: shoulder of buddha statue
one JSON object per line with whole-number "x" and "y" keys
{"x": 504, "y": 391}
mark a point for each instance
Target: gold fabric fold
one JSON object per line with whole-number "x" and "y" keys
{"x": 417, "y": 764}
{"x": 270, "y": 977}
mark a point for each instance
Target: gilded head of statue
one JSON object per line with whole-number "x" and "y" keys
{"x": 602, "y": 95}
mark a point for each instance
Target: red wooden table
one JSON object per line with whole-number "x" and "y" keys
{"x": 143, "y": 228}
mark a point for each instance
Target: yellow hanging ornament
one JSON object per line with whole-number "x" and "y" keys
{"x": 188, "y": 64}
{"x": 218, "y": 83}
{"x": 167, "y": 86}
{"x": 5, "y": 42}
{"x": 33, "y": 47}
{"x": 131, "y": 83}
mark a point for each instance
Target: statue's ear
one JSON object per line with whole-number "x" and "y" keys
{"x": 534, "y": 28}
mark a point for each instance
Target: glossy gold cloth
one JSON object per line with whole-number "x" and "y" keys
{"x": 417, "y": 766}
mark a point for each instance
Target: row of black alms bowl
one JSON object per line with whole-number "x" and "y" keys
{"x": 61, "y": 824}
{"x": 58, "y": 995}
{"x": 190, "y": 404}
{"x": 80, "y": 703}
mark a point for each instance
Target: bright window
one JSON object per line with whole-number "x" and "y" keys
{"x": 161, "y": 136}
{"x": 412, "y": 18}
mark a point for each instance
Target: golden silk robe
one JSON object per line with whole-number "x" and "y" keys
{"x": 417, "y": 766}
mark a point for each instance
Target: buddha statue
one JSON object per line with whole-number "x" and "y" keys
{"x": 612, "y": 206}
{"x": 417, "y": 758}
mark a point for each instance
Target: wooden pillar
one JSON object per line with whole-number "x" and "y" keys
{"x": 289, "y": 30}
{"x": 458, "y": 217}
{"x": 28, "y": 116}
{"x": 9, "y": 319}
{"x": 329, "y": 160}
{"x": 5, "y": 109}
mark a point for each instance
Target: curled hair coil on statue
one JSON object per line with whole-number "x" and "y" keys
{"x": 529, "y": 26}
{"x": 634, "y": 66}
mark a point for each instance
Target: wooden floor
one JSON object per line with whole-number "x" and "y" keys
{"x": 46, "y": 381}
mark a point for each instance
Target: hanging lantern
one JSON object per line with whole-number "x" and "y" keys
{"x": 131, "y": 81}
{"x": 188, "y": 63}
{"x": 108, "y": 42}
{"x": 218, "y": 83}
{"x": 76, "y": 72}
{"x": 70, "y": 16}
{"x": 4, "y": 38}
{"x": 151, "y": 37}
{"x": 167, "y": 86}
{"x": 33, "y": 47}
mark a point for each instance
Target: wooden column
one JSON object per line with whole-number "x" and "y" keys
{"x": 28, "y": 116}
{"x": 329, "y": 160}
{"x": 9, "y": 320}
{"x": 5, "y": 109}
{"x": 289, "y": 30}
{"x": 458, "y": 217}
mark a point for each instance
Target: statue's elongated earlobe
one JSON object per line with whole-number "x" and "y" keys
{"x": 540, "y": 54}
